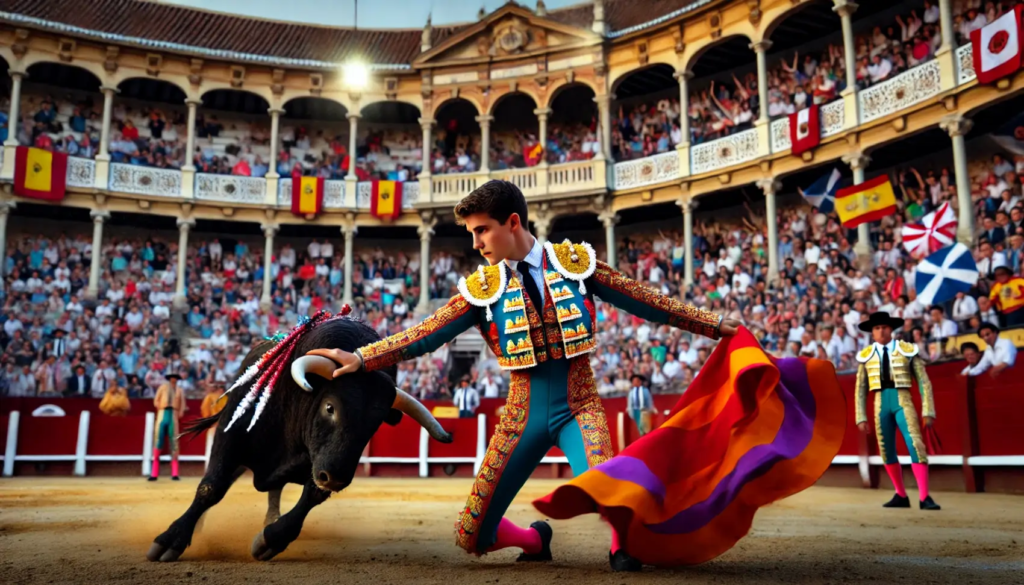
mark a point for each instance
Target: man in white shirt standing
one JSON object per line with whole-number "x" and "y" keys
{"x": 640, "y": 405}
{"x": 964, "y": 307}
{"x": 466, "y": 398}
{"x": 314, "y": 250}
{"x": 942, "y": 328}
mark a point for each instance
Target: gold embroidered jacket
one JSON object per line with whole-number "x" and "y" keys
{"x": 904, "y": 367}
{"x": 492, "y": 300}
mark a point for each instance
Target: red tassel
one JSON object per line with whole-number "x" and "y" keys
{"x": 345, "y": 310}
{"x": 590, "y": 307}
{"x": 493, "y": 332}
{"x": 932, "y": 441}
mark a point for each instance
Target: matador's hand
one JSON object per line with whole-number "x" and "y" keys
{"x": 863, "y": 427}
{"x": 350, "y": 362}
{"x": 929, "y": 421}
{"x": 729, "y": 327}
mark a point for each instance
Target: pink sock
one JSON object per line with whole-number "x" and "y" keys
{"x": 616, "y": 545}
{"x": 174, "y": 467}
{"x": 921, "y": 474}
{"x": 510, "y": 535}
{"x": 156, "y": 463}
{"x": 896, "y": 475}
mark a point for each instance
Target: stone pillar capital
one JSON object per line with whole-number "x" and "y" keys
{"x": 844, "y": 8}
{"x": 108, "y": 90}
{"x": 609, "y": 218}
{"x": 484, "y": 119}
{"x": 769, "y": 185}
{"x": 18, "y": 74}
{"x": 761, "y": 46}
{"x": 857, "y": 160}
{"x": 99, "y": 215}
{"x": 275, "y": 111}
{"x": 270, "y": 229}
{"x": 7, "y": 206}
{"x": 542, "y": 112}
{"x": 193, "y": 103}
{"x": 956, "y": 125}
{"x": 185, "y": 224}
{"x": 687, "y": 205}
{"x": 604, "y": 100}
{"x": 349, "y": 230}
{"x": 683, "y": 76}
{"x": 426, "y": 123}
{"x": 353, "y": 116}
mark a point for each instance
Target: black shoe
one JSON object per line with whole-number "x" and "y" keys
{"x": 897, "y": 501}
{"x": 929, "y": 504}
{"x": 544, "y": 529}
{"x": 175, "y": 478}
{"x": 151, "y": 478}
{"x": 622, "y": 562}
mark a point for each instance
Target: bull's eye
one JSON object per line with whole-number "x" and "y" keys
{"x": 330, "y": 409}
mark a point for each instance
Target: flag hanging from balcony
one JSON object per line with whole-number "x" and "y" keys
{"x": 997, "y": 47}
{"x": 870, "y": 201}
{"x": 805, "y": 129}
{"x": 40, "y": 174}
{"x": 307, "y": 195}
{"x": 386, "y": 199}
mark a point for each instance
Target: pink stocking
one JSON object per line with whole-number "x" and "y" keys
{"x": 616, "y": 545}
{"x": 921, "y": 475}
{"x": 896, "y": 475}
{"x": 510, "y": 535}
{"x": 174, "y": 466}
{"x": 156, "y": 463}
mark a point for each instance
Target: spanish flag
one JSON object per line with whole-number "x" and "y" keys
{"x": 40, "y": 174}
{"x": 870, "y": 201}
{"x": 386, "y": 200}
{"x": 307, "y": 195}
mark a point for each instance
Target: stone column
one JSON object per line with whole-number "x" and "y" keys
{"x": 771, "y": 187}
{"x": 845, "y": 10}
{"x": 13, "y": 124}
{"x": 427, "y": 125}
{"x": 485, "y": 142}
{"x": 946, "y": 54}
{"x": 858, "y": 161}
{"x": 98, "y": 217}
{"x": 542, "y": 221}
{"x": 269, "y": 230}
{"x": 184, "y": 225}
{"x": 542, "y": 135}
{"x": 188, "y": 170}
{"x": 604, "y": 116}
{"x": 102, "y": 174}
{"x": 426, "y": 231}
{"x": 609, "y": 218}
{"x": 687, "y": 205}
{"x": 349, "y": 229}
{"x": 353, "y": 128}
{"x": 683, "y": 148}
{"x": 6, "y": 206}
{"x": 946, "y": 24}
{"x": 273, "y": 178}
{"x": 761, "y": 51}
{"x": 957, "y": 126}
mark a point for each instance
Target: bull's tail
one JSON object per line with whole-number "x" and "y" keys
{"x": 196, "y": 427}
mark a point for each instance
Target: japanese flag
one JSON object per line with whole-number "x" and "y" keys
{"x": 997, "y": 47}
{"x": 804, "y": 129}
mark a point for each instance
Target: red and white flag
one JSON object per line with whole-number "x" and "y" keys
{"x": 804, "y": 129}
{"x": 936, "y": 231}
{"x": 998, "y": 46}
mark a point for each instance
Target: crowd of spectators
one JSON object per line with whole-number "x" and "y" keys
{"x": 795, "y": 81}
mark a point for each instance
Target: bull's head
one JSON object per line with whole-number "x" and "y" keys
{"x": 349, "y": 410}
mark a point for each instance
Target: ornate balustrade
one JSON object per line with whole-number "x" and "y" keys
{"x": 81, "y": 172}
{"x": 724, "y": 152}
{"x": 578, "y": 176}
{"x": 649, "y": 170}
{"x": 231, "y": 188}
{"x": 526, "y": 179}
{"x": 965, "y": 64}
{"x": 904, "y": 90}
{"x": 145, "y": 180}
{"x": 454, "y": 186}
{"x": 832, "y": 117}
{"x": 779, "y": 133}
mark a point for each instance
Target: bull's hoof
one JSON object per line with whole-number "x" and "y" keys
{"x": 160, "y": 553}
{"x": 261, "y": 551}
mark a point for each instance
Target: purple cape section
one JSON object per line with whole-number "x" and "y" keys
{"x": 793, "y": 436}
{"x": 633, "y": 470}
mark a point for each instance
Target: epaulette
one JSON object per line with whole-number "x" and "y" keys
{"x": 906, "y": 348}
{"x": 575, "y": 262}
{"x": 865, "y": 354}
{"x": 484, "y": 286}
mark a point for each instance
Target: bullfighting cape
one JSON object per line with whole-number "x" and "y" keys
{"x": 749, "y": 430}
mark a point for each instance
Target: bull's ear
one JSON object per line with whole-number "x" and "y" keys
{"x": 393, "y": 418}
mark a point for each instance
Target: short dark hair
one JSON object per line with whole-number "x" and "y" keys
{"x": 986, "y": 325}
{"x": 498, "y": 199}
{"x": 969, "y": 345}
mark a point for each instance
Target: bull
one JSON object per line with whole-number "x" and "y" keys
{"x": 312, "y": 432}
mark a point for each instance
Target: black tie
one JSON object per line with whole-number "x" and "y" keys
{"x": 886, "y": 373}
{"x": 530, "y": 286}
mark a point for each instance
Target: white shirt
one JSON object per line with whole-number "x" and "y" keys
{"x": 965, "y": 308}
{"x": 946, "y": 328}
{"x": 314, "y": 249}
{"x": 534, "y": 259}
{"x": 326, "y": 250}
{"x": 467, "y": 398}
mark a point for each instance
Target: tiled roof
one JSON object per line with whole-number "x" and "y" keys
{"x": 230, "y": 37}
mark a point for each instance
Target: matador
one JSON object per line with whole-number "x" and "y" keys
{"x": 534, "y": 305}
{"x": 887, "y": 369}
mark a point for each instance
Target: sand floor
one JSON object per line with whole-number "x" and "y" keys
{"x": 97, "y": 530}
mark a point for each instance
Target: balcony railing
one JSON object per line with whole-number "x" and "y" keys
{"x": 577, "y": 176}
{"x": 724, "y": 152}
{"x": 454, "y": 186}
{"x": 965, "y": 64}
{"x": 145, "y": 180}
{"x": 904, "y": 90}
{"x": 231, "y": 188}
{"x": 81, "y": 172}
{"x": 526, "y": 179}
{"x": 832, "y": 117}
{"x": 649, "y": 170}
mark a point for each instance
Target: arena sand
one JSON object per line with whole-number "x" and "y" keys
{"x": 380, "y": 531}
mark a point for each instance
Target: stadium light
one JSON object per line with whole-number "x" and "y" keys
{"x": 357, "y": 75}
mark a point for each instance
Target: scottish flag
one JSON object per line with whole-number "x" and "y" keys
{"x": 822, "y": 194}
{"x": 945, "y": 273}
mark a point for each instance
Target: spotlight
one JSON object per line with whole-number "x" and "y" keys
{"x": 357, "y": 75}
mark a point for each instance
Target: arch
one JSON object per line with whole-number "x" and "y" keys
{"x": 802, "y": 24}
{"x": 725, "y": 45}
{"x": 620, "y": 72}
{"x": 472, "y": 101}
{"x": 235, "y": 100}
{"x": 314, "y": 108}
{"x": 563, "y": 85}
{"x": 573, "y": 103}
{"x": 654, "y": 78}
{"x": 152, "y": 90}
{"x": 456, "y": 125}
{"x": 514, "y": 111}
{"x": 71, "y": 77}
{"x": 390, "y": 112}
{"x": 511, "y": 95}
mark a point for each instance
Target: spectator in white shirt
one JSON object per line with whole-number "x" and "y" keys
{"x": 326, "y": 250}
{"x": 216, "y": 250}
{"x": 942, "y": 328}
{"x": 964, "y": 307}
{"x": 1000, "y": 353}
{"x": 314, "y": 249}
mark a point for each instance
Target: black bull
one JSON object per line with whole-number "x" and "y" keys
{"x": 313, "y": 437}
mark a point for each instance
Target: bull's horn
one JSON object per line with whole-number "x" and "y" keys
{"x": 312, "y": 364}
{"x": 420, "y": 414}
